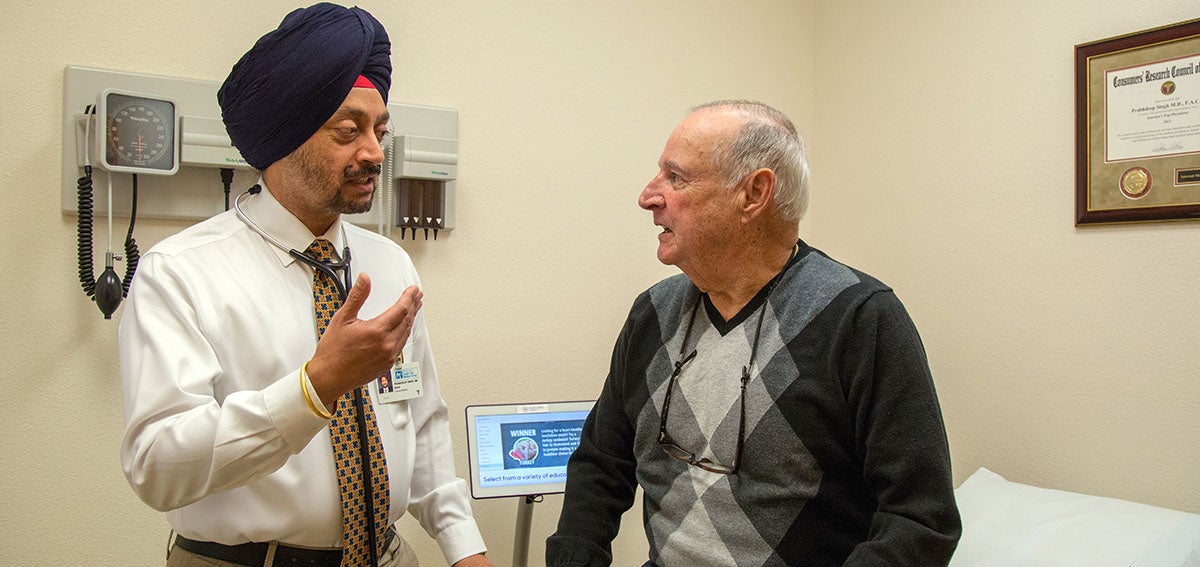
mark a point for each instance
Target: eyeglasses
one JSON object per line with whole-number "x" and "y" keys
{"x": 665, "y": 441}
{"x": 670, "y": 447}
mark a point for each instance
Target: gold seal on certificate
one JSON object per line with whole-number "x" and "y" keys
{"x": 1135, "y": 182}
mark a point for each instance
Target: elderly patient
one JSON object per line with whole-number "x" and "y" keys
{"x": 774, "y": 405}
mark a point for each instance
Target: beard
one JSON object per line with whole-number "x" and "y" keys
{"x": 339, "y": 203}
{"x": 315, "y": 170}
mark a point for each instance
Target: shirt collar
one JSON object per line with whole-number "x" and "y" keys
{"x": 272, "y": 218}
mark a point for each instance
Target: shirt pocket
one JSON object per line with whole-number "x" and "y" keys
{"x": 398, "y": 414}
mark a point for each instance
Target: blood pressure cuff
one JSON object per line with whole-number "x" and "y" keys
{"x": 295, "y": 77}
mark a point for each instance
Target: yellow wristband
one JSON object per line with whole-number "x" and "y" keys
{"x": 304, "y": 382}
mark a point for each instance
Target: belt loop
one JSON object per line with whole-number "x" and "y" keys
{"x": 270, "y": 560}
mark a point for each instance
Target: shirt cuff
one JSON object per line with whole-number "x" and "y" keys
{"x": 290, "y": 413}
{"x": 460, "y": 540}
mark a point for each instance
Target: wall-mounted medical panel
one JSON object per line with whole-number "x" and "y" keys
{"x": 194, "y": 191}
{"x": 422, "y": 166}
{"x": 419, "y": 170}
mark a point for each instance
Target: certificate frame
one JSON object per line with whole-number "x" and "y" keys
{"x": 1137, "y": 126}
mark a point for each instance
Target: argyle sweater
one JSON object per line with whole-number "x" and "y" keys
{"x": 844, "y": 458}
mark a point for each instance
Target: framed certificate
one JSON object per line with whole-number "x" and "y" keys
{"x": 1137, "y": 126}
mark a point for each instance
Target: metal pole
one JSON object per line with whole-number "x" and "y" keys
{"x": 521, "y": 536}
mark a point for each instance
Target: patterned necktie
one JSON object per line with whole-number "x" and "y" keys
{"x": 343, "y": 431}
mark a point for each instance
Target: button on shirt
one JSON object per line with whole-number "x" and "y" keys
{"x": 218, "y": 434}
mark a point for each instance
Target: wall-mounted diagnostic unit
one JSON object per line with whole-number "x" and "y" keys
{"x": 135, "y": 134}
{"x": 138, "y": 133}
{"x": 158, "y": 142}
{"x": 421, "y": 166}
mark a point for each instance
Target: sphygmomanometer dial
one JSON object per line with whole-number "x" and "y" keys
{"x": 140, "y": 133}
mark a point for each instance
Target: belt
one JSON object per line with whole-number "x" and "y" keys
{"x": 253, "y": 554}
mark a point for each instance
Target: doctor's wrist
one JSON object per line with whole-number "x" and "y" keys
{"x": 310, "y": 393}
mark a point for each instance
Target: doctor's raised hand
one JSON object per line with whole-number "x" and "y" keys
{"x": 354, "y": 351}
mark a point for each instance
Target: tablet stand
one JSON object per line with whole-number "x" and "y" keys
{"x": 521, "y": 535}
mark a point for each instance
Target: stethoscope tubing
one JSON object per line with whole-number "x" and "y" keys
{"x": 330, "y": 269}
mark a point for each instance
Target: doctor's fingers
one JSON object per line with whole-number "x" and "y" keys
{"x": 355, "y": 299}
{"x": 403, "y": 310}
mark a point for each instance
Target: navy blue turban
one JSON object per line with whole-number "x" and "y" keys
{"x": 295, "y": 77}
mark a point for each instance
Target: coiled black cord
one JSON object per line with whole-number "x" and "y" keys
{"x": 87, "y": 277}
{"x": 131, "y": 247}
{"x": 108, "y": 284}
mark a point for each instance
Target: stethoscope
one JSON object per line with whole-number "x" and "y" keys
{"x": 330, "y": 269}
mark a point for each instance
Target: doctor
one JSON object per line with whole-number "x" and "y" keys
{"x": 252, "y": 406}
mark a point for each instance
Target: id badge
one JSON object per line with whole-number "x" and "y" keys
{"x": 402, "y": 382}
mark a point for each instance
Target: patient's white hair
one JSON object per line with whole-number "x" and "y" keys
{"x": 767, "y": 140}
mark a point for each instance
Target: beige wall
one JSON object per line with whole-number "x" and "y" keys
{"x": 943, "y": 144}
{"x": 942, "y": 136}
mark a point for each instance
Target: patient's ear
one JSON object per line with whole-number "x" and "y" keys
{"x": 756, "y": 193}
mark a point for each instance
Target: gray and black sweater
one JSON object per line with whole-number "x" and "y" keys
{"x": 844, "y": 458}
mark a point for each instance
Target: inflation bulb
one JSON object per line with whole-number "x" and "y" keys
{"x": 108, "y": 288}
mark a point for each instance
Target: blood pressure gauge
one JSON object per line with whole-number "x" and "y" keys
{"x": 139, "y": 133}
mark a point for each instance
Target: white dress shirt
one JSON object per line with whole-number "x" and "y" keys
{"x": 218, "y": 434}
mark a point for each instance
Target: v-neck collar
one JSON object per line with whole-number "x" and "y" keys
{"x": 718, "y": 321}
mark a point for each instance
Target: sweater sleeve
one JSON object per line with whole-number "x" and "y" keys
{"x": 600, "y": 475}
{"x": 900, "y": 439}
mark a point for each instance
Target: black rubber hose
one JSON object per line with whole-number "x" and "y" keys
{"x": 131, "y": 247}
{"x": 87, "y": 275}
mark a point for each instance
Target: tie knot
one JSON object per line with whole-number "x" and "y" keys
{"x": 321, "y": 249}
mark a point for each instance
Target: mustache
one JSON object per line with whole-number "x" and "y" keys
{"x": 362, "y": 172}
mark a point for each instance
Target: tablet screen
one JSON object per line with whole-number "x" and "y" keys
{"x": 522, "y": 449}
